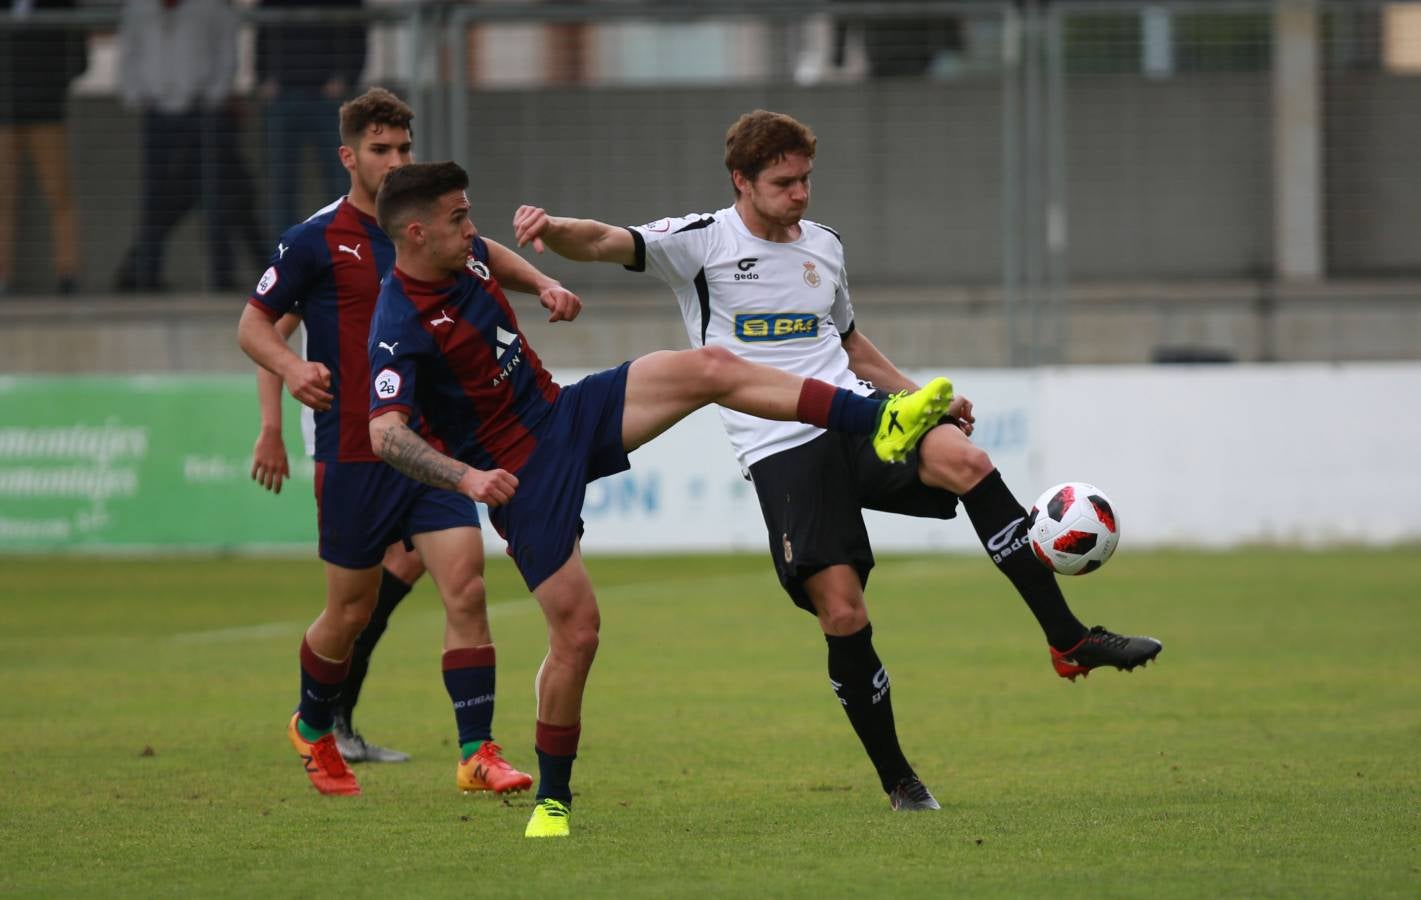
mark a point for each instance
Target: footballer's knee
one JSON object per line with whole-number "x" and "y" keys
{"x": 947, "y": 459}
{"x": 468, "y": 600}
{"x": 837, "y": 596}
{"x": 842, "y": 620}
{"x": 352, "y": 617}
{"x": 576, "y": 635}
{"x": 714, "y": 369}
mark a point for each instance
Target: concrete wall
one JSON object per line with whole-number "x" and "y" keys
{"x": 1116, "y": 323}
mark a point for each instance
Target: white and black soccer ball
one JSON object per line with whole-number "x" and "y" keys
{"x": 1073, "y": 528}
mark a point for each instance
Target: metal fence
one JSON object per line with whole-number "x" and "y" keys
{"x": 1070, "y": 181}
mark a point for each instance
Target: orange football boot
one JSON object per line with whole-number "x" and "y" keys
{"x": 487, "y": 770}
{"x": 322, "y": 759}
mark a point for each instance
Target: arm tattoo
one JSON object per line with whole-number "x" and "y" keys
{"x": 409, "y": 453}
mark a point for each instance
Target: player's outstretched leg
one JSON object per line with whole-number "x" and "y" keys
{"x": 664, "y": 387}
{"x": 948, "y": 460}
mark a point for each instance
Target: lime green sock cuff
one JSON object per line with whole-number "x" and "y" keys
{"x": 308, "y": 733}
{"x": 470, "y": 748}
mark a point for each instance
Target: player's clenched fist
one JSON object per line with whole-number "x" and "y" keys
{"x": 493, "y": 486}
{"x": 529, "y": 223}
{"x": 562, "y": 304}
{"x": 310, "y": 383}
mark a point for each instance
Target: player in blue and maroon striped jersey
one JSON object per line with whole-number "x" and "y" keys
{"x": 330, "y": 267}
{"x": 448, "y": 359}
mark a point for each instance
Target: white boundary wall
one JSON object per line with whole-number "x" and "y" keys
{"x": 1309, "y": 456}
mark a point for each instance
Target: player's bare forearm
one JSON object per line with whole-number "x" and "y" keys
{"x": 406, "y": 451}
{"x": 269, "y": 400}
{"x": 583, "y": 240}
{"x": 411, "y": 454}
{"x": 263, "y": 343}
{"x": 868, "y": 362}
{"x": 269, "y": 384}
{"x": 513, "y": 271}
{"x": 259, "y": 338}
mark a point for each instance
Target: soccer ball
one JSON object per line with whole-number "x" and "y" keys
{"x": 1073, "y": 528}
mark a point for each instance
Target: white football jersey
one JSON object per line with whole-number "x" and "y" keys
{"x": 780, "y": 304}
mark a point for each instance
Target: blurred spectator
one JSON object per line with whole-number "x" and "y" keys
{"x": 36, "y": 66}
{"x": 177, "y": 59}
{"x": 305, "y": 71}
{"x": 901, "y": 46}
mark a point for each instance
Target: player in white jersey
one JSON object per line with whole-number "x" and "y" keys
{"x": 761, "y": 280}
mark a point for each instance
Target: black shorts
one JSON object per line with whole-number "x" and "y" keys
{"x": 813, "y": 497}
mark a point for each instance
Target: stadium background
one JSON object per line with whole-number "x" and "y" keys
{"x": 1022, "y": 187}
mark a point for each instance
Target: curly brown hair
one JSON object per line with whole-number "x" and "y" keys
{"x": 376, "y": 106}
{"x": 762, "y": 138}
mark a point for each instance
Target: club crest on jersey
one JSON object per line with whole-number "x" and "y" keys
{"x": 755, "y": 328}
{"x": 477, "y": 267}
{"x": 387, "y": 384}
{"x": 267, "y": 282}
{"x": 811, "y": 277}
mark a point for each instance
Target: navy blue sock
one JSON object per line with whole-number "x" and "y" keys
{"x": 469, "y": 678}
{"x": 837, "y": 409}
{"x": 321, "y": 681}
{"x": 557, "y": 748}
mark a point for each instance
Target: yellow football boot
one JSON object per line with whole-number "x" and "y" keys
{"x": 549, "y": 819}
{"x": 906, "y": 417}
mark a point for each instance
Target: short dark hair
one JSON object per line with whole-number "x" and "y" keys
{"x": 762, "y": 138}
{"x": 412, "y": 189}
{"x": 376, "y": 106}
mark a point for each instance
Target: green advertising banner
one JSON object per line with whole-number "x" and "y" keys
{"x": 150, "y": 463}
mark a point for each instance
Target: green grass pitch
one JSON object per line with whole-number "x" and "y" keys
{"x": 1271, "y": 752}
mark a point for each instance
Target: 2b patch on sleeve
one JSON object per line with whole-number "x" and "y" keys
{"x": 387, "y": 384}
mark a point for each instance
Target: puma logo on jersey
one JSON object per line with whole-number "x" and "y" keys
{"x": 390, "y": 347}
{"x": 753, "y": 328}
{"x": 281, "y": 250}
{"x": 355, "y": 252}
{"x": 445, "y": 319}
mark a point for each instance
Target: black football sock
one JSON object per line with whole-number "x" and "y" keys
{"x": 1001, "y": 525}
{"x": 861, "y": 682}
{"x": 392, "y": 591}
